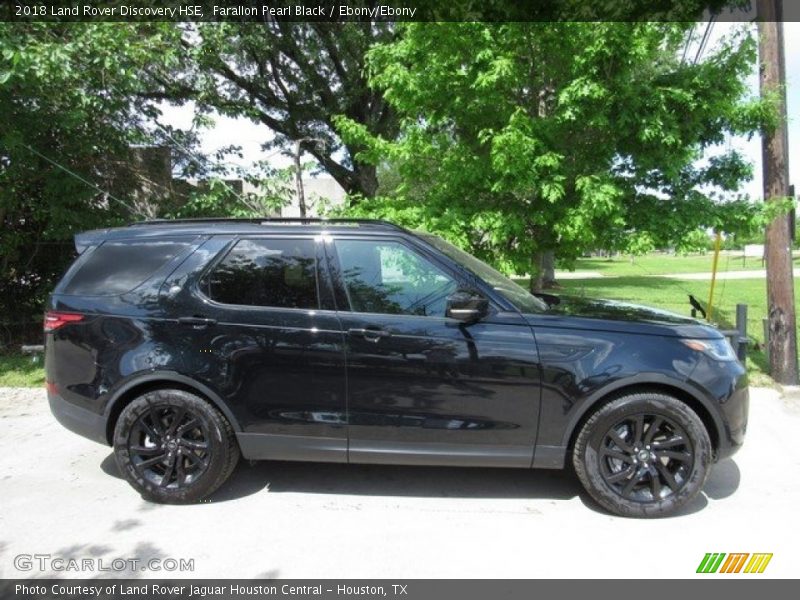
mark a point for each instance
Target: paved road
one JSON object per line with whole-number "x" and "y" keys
{"x": 62, "y": 495}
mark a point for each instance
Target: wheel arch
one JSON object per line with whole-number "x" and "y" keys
{"x": 161, "y": 380}
{"x": 664, "y": 385}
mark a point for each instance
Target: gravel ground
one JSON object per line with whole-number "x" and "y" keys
{"x": 62, "y": 496}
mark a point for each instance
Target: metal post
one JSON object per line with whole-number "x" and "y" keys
{"x": 710, "y": 306}
{"x": 741, "y": 326}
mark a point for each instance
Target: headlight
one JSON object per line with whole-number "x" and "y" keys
{"x": 718, "y": 349}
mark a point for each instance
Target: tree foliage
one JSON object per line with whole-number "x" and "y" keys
{"x": 295, "y": 78}
{"x": 520, "y": 138}
{"x": 68, "y": 113}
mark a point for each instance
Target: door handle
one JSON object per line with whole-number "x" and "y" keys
{"x": 369, "y": 334}
{"x": 196, "y": 322}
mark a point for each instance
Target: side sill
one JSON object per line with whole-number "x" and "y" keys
{"x": 267, "y": 446}
{"x": 439, "y": 454}
{"x": 549, "y": 457}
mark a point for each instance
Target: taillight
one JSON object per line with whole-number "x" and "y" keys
{"x": 53, "y": 320}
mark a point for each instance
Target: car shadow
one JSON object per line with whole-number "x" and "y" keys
{"x": 402, "y": 481}
{"x": 109, "y": 466}
{"x": 386, "y": 480}
{"x": 724, "y": 480}
{"x": 429, "y": 482}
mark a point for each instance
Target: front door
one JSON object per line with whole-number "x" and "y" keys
{"x": 424, "y": 388}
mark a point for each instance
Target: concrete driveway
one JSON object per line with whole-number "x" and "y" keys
{"x": 62, "y": 497}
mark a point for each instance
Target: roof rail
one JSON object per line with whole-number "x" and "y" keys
{"x": 268, "y": 220}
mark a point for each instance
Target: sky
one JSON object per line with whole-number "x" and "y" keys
{"x": 251, "y": 136}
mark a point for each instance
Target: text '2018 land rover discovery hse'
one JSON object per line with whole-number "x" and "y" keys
{"x": 185, "y": 344}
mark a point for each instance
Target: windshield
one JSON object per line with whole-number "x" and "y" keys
{"x": 521, "y": 298}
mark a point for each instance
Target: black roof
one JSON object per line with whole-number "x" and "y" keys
{"x": 173, "y": 227}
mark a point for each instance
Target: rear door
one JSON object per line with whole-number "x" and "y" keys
{"x": 258, "y": 326}
{"x": 424, "y": 388}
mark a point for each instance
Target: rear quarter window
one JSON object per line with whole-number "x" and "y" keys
{"x": 119, "y": 266}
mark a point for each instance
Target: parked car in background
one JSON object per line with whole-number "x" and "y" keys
{"x": 187, "y": 344}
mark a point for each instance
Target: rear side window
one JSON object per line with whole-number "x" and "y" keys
{"x": 116, "y": 267}
{"x": 277, "y": 273}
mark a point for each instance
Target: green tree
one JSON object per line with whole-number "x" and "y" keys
{"x": 294, "y": 78}
{"x": 522, "y": 138}
{"x": 68, "y": 112}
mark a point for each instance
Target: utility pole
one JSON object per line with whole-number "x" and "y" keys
{"x": 298, "y": 177}
{"x": 298, "y": 173}
{"x": 775, "y": 151}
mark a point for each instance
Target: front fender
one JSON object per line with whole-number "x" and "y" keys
{"x": 554, "y": 456}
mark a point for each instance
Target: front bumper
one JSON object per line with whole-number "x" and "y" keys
{"x": 77, "y": 419}
{"x": 734, "y": 409}
{"x": 725, "y": 386}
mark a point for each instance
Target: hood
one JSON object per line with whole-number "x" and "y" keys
{"x": 609, "y": 315}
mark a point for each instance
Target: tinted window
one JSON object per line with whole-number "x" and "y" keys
{"x": 510, "y": 289}
{"x": 117, "y": 267}
{"x": 388, "y": 277}
{"x": 281, "y": 273}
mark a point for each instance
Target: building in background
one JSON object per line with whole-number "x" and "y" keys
{"x": 146, "y": 179}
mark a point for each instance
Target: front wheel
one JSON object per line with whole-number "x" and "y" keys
{"x": 643, "y": 455}
{"x": 174, "y": 447}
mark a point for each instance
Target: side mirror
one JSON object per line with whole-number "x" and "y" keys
{"x": 466, "y": 306}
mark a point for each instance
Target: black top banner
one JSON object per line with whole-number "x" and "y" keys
{"x": 395, "y": 10}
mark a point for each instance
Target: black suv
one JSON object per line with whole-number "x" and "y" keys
{"x": 185, "y": 344}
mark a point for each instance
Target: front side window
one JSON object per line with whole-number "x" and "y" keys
{"x": 389, "y": 278}
{"x": 277, "y": 273}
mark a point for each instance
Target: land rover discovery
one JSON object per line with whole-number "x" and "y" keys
{"x": 187, "y": 344}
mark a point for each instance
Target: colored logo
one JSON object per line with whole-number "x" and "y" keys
{"x": 737, "y": 562}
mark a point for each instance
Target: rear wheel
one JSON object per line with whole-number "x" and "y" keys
{"x": 174, "y": 447}
{"x": 643, "y": 455}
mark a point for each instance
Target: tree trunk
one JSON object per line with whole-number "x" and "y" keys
{"x": 361, "y": 179}
{"x": 543, "y": 273}
{"x": 549, "y": 269}
{"x": 367, "y": 177}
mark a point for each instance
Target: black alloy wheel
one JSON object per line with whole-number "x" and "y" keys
{"x": 174, "y": 447}
{"x": 646, "y": 457}
{"x": 169, "y": 446}
{"x": 645, "y": 454}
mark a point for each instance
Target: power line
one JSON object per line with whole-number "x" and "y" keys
{"x": 686, "y": 45}
{"x": 86, "y": 181}
{"x": 189, "y": 153}
{"x": 704, "y": 41}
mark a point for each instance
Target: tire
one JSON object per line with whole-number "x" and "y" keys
{"x": 174, "y": 447}
{"x": 643, "y": 455}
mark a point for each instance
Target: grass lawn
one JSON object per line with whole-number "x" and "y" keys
{"x": 659, "y": 264}
{"x": 21, "y": 371}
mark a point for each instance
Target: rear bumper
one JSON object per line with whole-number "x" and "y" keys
{"x": 77, "y": 419}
